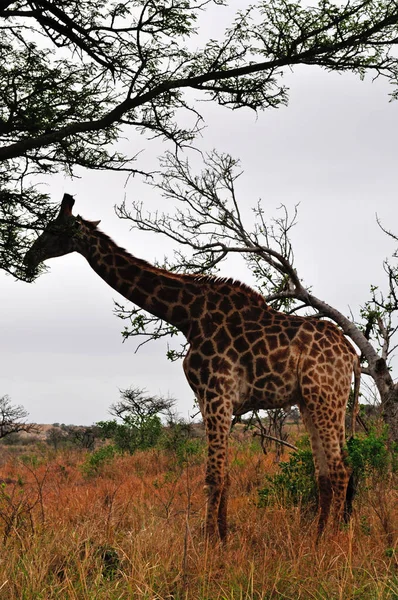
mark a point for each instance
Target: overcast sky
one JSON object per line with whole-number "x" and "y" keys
{"x": 333, "y": 150}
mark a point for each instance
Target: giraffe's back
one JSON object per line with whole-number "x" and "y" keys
{"x": 299, "y": 360}
{"x": 259, "y": 358}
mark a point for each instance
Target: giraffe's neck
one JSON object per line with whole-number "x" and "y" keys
{"x": 166, "y": 295}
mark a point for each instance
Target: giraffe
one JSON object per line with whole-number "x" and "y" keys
{"x": 243, "y": 355}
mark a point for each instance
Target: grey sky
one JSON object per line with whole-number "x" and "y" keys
{"x": 333, "y": 150}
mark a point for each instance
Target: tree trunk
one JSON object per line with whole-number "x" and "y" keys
{"x": 388, "y": 391}
{"x": 389, "y": 403}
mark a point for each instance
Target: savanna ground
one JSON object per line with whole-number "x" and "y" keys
{"x": 130, "y": 527}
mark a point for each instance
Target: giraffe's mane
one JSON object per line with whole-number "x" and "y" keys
{"x": 230, "y": 281}
{"x": 188, "y": 277}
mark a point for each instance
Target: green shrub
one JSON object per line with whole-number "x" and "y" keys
{"x": 295, "y": 483}
{"x": 177, "y": 439}
{"x": 189, "y": 449}
{"x": 95, "y": 461}
{"x": 132, "y": 435}
{"x": 368, "y": 456}
{"x": 32, "y": 460}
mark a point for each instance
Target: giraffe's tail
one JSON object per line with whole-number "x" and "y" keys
{"x": 357, "y": 383}
{"x": 353, "y": 479}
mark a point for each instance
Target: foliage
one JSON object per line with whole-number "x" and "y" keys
{"x": 137, "y": 404}
{"x": 82, "y": 437}
{"x": 294, "y": 484}
{"x": 132, "y": 435}
{"x": 74, "y": 76}
{"x": 177, "y": 438}
{"x": 55, "y": 437}
{"x": 138, "y": 425}
{"x": 72, "y": 435}
{"x": 370, "y": 454}
{"x": 95, "y": 461}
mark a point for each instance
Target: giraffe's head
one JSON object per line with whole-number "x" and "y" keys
{"x": 60, "y": 237}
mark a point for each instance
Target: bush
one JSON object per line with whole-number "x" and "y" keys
{"x": 295, "y": 483}
{"x": 95, "y": 461}
{"x": 368, "y": 456}
{"x": 372, "y": 459}
{"x": 130, "y": 436}
{"x": 177, "y": 439}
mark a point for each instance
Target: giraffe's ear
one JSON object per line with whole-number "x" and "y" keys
{"x": 93, "y": 224}
{"x": 67, "y": 205}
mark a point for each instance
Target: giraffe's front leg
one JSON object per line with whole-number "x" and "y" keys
{"x": 216, "y": 486}
{"x": 223, "y": 507}
{"x": 218, "y": 422}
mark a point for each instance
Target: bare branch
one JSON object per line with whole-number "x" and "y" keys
{"x": 13, "y": 419}
{"x": 276, "y": 440}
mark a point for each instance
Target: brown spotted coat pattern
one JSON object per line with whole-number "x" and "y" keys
{"x": 242, "y": 355}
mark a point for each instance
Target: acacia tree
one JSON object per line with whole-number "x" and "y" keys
{"x": 77, "y": 75}
{"x": 13, "y": 418}
{"x": 208, "y": 225}
{"x": 138, "y": 406}
{"x": 137, "y": 424}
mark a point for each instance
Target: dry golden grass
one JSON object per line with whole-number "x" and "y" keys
{"x": 135, "y": 532}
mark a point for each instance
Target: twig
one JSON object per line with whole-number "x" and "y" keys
{"x": 275, "y": 439}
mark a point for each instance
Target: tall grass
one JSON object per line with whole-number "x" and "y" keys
{"x": 133, "y": 530}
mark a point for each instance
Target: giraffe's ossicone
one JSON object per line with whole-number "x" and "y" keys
{"x": 243, "y": 355}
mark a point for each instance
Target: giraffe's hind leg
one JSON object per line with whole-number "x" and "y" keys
{"x": 334, "y": 441}
{"x": 332, "y": 473}
{"x": 321, "y": 469}
{"x": 339, "y": 478}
